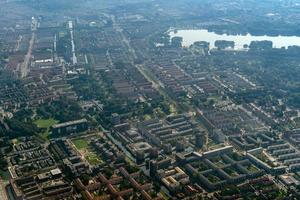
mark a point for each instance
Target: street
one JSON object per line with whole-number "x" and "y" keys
{"x": 24, "y": 68}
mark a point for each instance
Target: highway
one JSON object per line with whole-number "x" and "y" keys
{"x": 124, "y": 39}
{"x": 24, "y": 68}
{"x": 18, "y": 43}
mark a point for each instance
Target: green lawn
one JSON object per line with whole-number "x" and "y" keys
{"x": 81, "y": 143}
{"x": 163, "y": 194}
{"x": 90, "y": 156}
{"x": 215, "y": 146}
{"x": 46, "y": 124}
{"x": 15, "y": 141}
{"x": 252, "y": 168}
{"x": 213, "y": 178}
{"x": 147, "y": 117}
{"x": 219, "y": 163}
{"x": 93, "y": 159}
{"x": 173, "y": 108}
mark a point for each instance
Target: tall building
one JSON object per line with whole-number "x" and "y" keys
{"x": 200, "y": 140}
{"x": 115, "y": 119}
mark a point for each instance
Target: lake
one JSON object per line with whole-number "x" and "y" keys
{"x": 191, "y": 36}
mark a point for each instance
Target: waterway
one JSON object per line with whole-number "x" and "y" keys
{"x": 191, "y": 36}
{"x": 74, "y": 58}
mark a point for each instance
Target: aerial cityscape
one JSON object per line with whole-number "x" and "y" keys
{"x": 149, "y": 99}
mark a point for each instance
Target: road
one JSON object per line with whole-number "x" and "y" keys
{"x": 24, "y": 68}
{"x": 120, "y": 145}
{"x": 158, "y": 85}
{"x": 124, "y": 39}
{"x": 18, "y": 43}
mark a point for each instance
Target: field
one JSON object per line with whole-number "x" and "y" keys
{"x": 93, "y": 159}
{"x": 83, "y": 146}
{"x": 80, "y": 144}
{"x": 46, "y": 124}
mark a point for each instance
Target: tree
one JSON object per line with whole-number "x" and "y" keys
{"x": 176, "y": 41}
{"x": 85, "y": 178}
{"x": 19, "y": 128}
{"x": 3, "y": 163}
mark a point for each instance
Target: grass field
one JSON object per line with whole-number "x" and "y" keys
{"x": 252, "y": 168}
{"x": 85, "y": 149}
{"x": 93, "y": 159}
{"x": 81, "y": 143}
{"x": 147, "y": 117}
{"x": 46, "y": 124}
{"x": 173, "y": 108}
